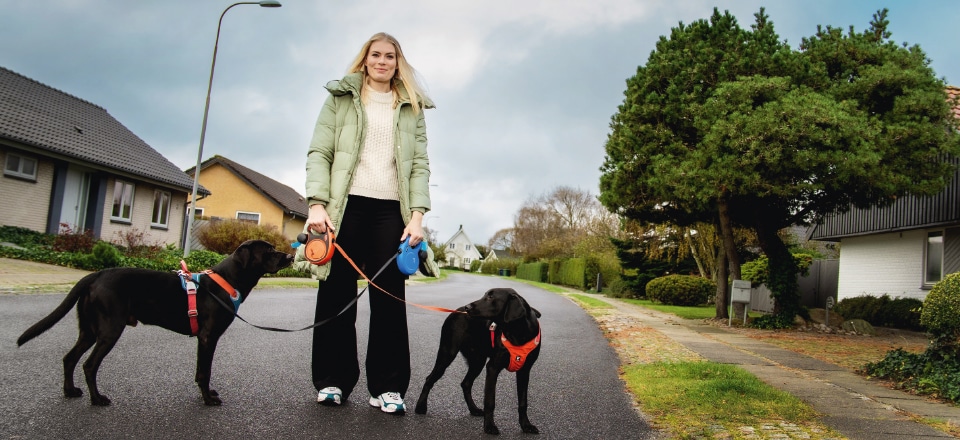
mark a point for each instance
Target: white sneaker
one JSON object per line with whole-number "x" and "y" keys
{"x": 389, "y": 403}
{"x": 329, "y": 396}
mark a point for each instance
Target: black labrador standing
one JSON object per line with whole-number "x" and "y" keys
{"x": 110, "y": 299}
{"x": 489, "y": 326}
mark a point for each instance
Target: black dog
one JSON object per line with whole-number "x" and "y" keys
{"x": 479, "y": 334}
{"x": 110, "y": 299}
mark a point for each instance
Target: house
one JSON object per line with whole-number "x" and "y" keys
{"x": 460, "y": 250}
{"x": 900, "y": 250}
{"x": 67, "y": 162}
{"x": 244, "y": 194}
{"x": 500, "y": 254}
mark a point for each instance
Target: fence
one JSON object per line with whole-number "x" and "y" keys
{"x": 819, "y": 284}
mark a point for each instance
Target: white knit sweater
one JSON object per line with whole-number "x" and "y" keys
{"x": 376, "y": 174}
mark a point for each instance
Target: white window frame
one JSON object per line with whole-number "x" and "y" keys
{"x": 452, "y": 246}
{"x": 126, "y": 198}
{"x": 160, "y": 217}
{"x": 239, "y": 213}
{"x": 933, "y": 255}
{"x": 197, "y": 212}
{"x": 20, "y": 165}
{"x": 468, "y": 247}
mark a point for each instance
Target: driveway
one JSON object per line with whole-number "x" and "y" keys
{"x": 264, "y": 377}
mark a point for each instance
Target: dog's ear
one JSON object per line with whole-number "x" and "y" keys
{"x": 515, "y": 309}
{"x": 536, "y": 311}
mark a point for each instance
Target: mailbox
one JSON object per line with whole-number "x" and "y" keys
{"x": 740, "y": 292}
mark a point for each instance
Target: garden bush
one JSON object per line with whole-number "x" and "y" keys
{"x": 24, "y": 237}
{"x": 106, "y": 255}
{"x": 681, "y": 290}
{"x": 941, "y": 311}
{"x": 224, "y": 236}
{"x": 619, "y": 288}
{"x": 882, "y": 311}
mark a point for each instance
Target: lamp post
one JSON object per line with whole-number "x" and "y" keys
{"x": 203, "y": 128}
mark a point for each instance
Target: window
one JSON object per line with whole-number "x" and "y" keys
{"x": 468, "y": 247}
{"x": 161, "y": 209}
{"x": 122, "y": 201}
{"x": 466, "y": 261}
{"x": 252, "y": 217}
{"x": 452, "y": 245}
{"x": 933, "y": 263}
{"x": 197, "y": 213}
{"x": 19, "y": 166}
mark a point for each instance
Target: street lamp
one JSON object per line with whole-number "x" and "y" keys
{"x": 203, "y": 129}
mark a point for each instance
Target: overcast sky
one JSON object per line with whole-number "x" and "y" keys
{"x": 524, "y": 89}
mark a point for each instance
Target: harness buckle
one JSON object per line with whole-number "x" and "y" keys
{"x": 192, "y": 313}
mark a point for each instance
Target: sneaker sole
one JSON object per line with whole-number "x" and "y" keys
{"x": 374, "y": 402}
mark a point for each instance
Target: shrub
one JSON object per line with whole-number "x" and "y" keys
{"x": 202, "y": 259}
{"x": 69, "y": 240}
{"x": 681, "y": 290}
{"x": 941, "y": 310}
{"x": 881, "y": 311}
{"x": 758, "y": 271}
{"x": 106, "y": 255}
{"x": 493, "y": 267}
{"x": 619, "y": 288}
{"x": 224, "y": 236}
{"x": 24, "y": 237}
{"x": 533, "y": 271}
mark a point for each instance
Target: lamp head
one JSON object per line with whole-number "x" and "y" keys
{"x": 269, "y": 4}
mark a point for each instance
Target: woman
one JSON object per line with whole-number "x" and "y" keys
{"x": 367, "y": 180}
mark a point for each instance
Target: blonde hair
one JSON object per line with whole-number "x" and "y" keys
{"x": 405, "y": 72}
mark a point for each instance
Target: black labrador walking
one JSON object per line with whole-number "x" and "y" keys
{"x": 500, "y": 330}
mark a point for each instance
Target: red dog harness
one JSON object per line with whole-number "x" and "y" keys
{"x": 190, "y": 285}
{"x": 518, "y": 353}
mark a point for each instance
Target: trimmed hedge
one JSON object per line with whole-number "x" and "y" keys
{"x": 533, "y": 271}
{"x": 681, "y": 290}
{"x": 881, "y": 311}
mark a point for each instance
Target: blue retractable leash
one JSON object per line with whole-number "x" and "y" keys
{"x": 408, "y": 261}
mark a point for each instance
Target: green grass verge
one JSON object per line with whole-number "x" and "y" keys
{"x": 691, "y": 399}
{"x": 688, "y": 312}
{"x": 589, "y": 302}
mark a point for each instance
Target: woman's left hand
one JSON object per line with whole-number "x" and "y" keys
{"x": 414, "y": 229}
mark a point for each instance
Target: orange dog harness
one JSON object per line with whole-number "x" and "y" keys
{"x": 518, "y": 353}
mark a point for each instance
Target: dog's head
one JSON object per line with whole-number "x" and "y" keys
{"x": 500, "y": 304}
{"x": 260, "y": 257}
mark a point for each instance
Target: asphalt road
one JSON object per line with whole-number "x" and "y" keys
{"x": 264, "y": 377}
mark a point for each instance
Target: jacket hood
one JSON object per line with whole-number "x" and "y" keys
{"x": 351, "y": 83}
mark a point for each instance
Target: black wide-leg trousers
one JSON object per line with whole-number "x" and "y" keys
{"x": 370, "y": 234}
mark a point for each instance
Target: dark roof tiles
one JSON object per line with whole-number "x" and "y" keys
{"x": 49, "y": 119}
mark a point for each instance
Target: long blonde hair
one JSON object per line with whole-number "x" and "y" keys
{"x": 405, "y": 72}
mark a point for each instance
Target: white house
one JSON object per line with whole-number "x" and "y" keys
{"x": 460, "y": 250}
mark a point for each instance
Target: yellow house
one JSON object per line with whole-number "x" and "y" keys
{"x": 237, "y": 192}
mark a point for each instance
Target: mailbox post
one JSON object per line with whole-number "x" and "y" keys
{"x": 740, "y": 293}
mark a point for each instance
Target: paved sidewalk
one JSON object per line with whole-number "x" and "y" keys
{"x": 27, "y": 276}
{"x": 852, "y": 405}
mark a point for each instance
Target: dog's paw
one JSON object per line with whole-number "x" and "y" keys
{"x": 529, "y": 428}
{"x": 491, "y": 429}
{"x": 420, "y": 408}
{"x": 72, "y": 392}
{"x": 212, "y": 401}
{"x": 476, "y": 412}
{"x": 100, "y": 400}
{"x": 214, "y": 393}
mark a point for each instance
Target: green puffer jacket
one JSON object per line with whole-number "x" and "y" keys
{"x": 335, "y": 152}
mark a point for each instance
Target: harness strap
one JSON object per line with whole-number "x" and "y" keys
{"x": 191, "y": 287}
{"x": 518, "y": 353}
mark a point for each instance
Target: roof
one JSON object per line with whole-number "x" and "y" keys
{"x": 953, "y": 94}
{"x": 52, "y": 121}
{"x": 290, "y": 200}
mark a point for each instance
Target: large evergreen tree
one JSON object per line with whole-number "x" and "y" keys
{"x": 733, "y": 125}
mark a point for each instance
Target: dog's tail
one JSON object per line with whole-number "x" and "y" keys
{"x": 78, "y": 290}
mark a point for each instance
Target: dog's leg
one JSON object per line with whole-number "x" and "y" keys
{"x": 84, "y": 341}
{"x": 444, "y": 359}
{"x": 523, "y": 381}
{"x": 92, "y": 365}
{"x": 490, "y": 399}
{"x": 206, "y": 346}
{"x": 474, "y": 367}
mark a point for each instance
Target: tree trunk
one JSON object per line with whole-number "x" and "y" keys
{"x": 782, "y": 280}
{"x": 730, "y": 251}
{"x": 723, "y": 288}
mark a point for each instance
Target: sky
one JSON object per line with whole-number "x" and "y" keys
{"x": 524, "y": 89}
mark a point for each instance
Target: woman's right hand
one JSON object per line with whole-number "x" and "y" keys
{"x": 318, "y": 220}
